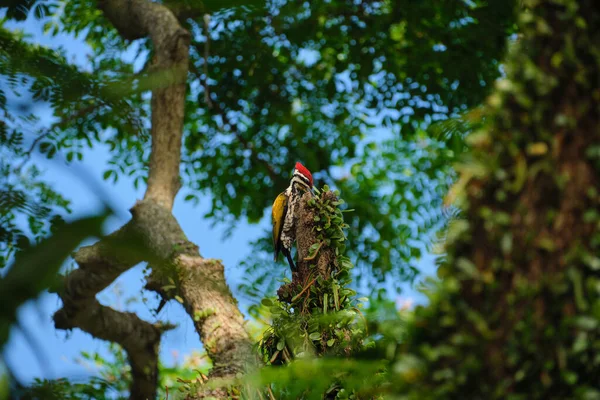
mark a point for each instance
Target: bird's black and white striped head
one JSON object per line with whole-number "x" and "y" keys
{"x": 302, "y": 177}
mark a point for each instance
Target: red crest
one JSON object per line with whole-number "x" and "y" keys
{"x": 304, "y": 171}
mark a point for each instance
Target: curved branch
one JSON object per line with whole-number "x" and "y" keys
{"x": 217, "y": 318}
{"x": 153, "y": 234}
{"x": 138, "y": 338}
{"x": 145, "y": 236}
{"x": 99, "y": 265}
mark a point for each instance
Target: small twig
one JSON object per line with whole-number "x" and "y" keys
{"x": 305, "y": 301}
{"x": 259, "y": 394}
{"x": 303, "y": 290}
{"x": 316, "y": 252}
{"x": 167, "y": 391}
{"x": 153, "y": 284}
{"x": 274, "y": 357}
{"x": 271, "y": 395}
{"x": 286, "y": 355}
{"x": 162, "y": 303}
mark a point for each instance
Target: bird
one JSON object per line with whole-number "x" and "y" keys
{"x": 284, "y": 211}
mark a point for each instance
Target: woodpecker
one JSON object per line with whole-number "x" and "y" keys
{"x": 284, "y": 212}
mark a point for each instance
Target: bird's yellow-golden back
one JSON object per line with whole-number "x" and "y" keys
{"x": 278, "y": 216}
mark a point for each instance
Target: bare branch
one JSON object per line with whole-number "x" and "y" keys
{"x": 139, "y": 18}
{"x": 139, "y": 338}
{"x": 154, "y": 235}
{"x": 99, "y": 265}
{"x": 216, "y": 316}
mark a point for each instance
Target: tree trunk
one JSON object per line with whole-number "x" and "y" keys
{"x": 153, "y": 234}
{"x": 517, "y": 311}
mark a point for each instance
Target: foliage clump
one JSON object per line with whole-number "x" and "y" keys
{"x": 322, "y": 318}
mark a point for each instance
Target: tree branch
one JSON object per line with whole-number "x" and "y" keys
{"x": 306, "y": 236}
{"x": 102, "y": 263}
{"x": 153, "y": 234}
{"x": 216, "y": 316}
{"x": 139, "y": 338}
{"x": 99, "y": 265}
{"x": 136, "y": 19}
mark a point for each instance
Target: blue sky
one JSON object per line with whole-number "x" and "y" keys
{"x": 59, "y": 349}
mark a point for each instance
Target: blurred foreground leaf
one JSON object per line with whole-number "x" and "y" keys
{"x": 36, "y": 268}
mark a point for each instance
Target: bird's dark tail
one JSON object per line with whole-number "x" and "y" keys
{"x": 288, "y": 255}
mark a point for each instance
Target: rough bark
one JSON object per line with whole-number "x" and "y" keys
{"x": 153, "y": 234}
{"x": 140, "y": 18}
{"x": 216, "y": 315}
{"x": 306, "y": 236}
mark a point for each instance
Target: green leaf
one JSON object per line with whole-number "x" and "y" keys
{"x": 36, "y": 268}
{"x": 586, "y": 323}
{"x": 266, "y": 302}
{"x": 397, "y": 31}
{"x": 336, "y": 296}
